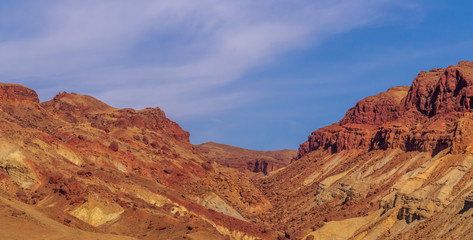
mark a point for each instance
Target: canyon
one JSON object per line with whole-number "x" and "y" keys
{"x": 399, "y": 165}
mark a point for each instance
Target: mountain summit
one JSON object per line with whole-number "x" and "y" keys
{"x": 421, "y": 117}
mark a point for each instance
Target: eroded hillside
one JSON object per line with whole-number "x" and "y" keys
{"x": 92, "y": 167}
{"x": 399, "y": 165}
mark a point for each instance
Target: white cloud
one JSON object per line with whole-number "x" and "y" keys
{"x": 180, "y": 55}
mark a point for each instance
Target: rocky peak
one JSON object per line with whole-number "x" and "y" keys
{"x": 379, "y": 109}
{"x": 155, "y": 119}
{"x": 422, "y": 117}
{"x": 17, "y": 93}
{"x": 75, "y": 108}
{"x": 443, "y": 90}
{"x": 73, "y": 102}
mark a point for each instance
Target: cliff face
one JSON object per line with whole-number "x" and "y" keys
{"x": 442, "y": 91}
{"x": 418, "y": 118}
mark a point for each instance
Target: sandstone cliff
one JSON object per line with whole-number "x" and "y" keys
{"x": 421, "y": 117}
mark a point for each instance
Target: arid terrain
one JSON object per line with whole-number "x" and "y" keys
{"x": 247, "y": 160}
{"x": 399, "y": 165}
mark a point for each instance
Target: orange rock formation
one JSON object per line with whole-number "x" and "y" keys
{"x": 399, "y": 165}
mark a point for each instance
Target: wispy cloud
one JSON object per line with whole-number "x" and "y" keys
{"x": 180, "y": 55}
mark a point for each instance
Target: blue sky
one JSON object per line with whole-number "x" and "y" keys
{"x": 254, "y": 74}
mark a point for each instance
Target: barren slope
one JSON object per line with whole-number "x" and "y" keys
{"x": 399, "y": 165}
{"x": 93, "y": 167}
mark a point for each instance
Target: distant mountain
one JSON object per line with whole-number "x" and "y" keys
{"x": 247, "y": 160}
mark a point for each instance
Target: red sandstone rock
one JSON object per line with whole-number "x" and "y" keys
{"x": 17, "y": 93}
{"x": 377, "y": 110}
{"x": 442, "y": 90}
{"x": 113, "y": 146}
{"x": 420, "y": 118}
{"x": 77, "y": 108}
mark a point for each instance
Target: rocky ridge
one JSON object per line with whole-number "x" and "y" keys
{"x": 247, "y": 160}
{"x": 421, "y": 117}
{"x": 88, "y": 166}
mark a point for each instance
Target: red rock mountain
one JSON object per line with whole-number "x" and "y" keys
{"x": 247, "y": 160}
{"x": 399, "y": 165}
{"x": 417, "y": 118}
{"x": 76, "y": 168}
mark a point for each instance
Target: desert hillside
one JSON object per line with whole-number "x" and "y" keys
{"x": 399, "y": 165}
{"x": 93, "y": 169}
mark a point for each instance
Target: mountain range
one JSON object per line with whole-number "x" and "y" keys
{"x": 399, "y": 165}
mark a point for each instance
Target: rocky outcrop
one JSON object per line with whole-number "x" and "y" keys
{"x": 77, "y": 108}
{"x": 442, "y": 90}
{"x": 260, "y": 165}
{"x": 17, "y": 93}
{"x": 377, "y": 110}
{"x": 423, "y": 117}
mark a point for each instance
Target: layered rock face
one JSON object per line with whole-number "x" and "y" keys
{"x": 398, "y": 166}
{"x": 247, "y": 160}
{"x": 421, "y": 117}
{"x": 442, "y": 91}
